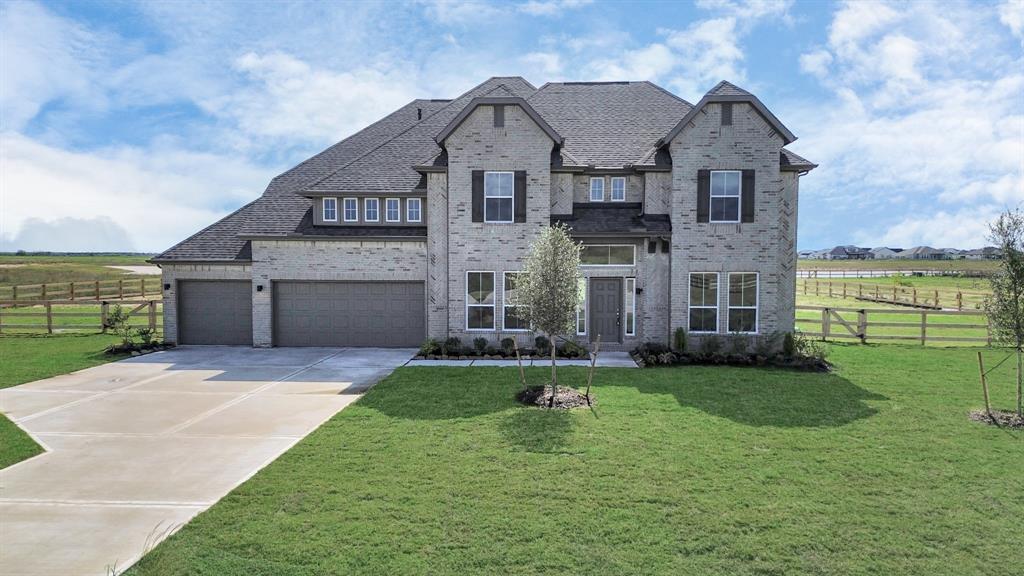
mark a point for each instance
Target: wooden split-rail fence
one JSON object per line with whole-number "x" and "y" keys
{"x": 66, "y": 315}
{"x": 878, "y": 324}
{"x": 934, "y": 299}
{"x": 95, "y": 290}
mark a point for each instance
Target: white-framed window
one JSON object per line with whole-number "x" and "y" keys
{"x": 371, "y": 209}
{"x": 511, "y": 322}
{"x": 743, "y": 302}
{"x": 392, "y": 210}
{"x": 619, "y": 189}
{"x": 330, "y": 209}
{"x": 499, "y": 204}
{"x": 414, "y": 210}
{"x": 725, "y": 196}
{"x": 351, "y": 207}
{"x": 581, "y": 312}
{"x": 608, "y": 255}
{"x": 630, "y": 306}
{"x": 479, "y": 300}
{"x": 597, "y": 189}
{"x": 703, "y": 302}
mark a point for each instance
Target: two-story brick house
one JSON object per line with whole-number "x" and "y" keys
{"x": 417, "y": 225}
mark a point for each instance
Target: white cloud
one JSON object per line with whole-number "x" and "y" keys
{"x": 1011, "y": 13}
{"x": 816, "y": 63}
{"x": 550, "y": 63}
{"x": 550, "y": 7}
{"x": 100, "y": 234}
{"x": 130, "y": 185}
{"x": 709, "y": 51}
{"x": 967, "y": 228}
{"x": 647, "y": 63}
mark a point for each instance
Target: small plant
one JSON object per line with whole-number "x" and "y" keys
{"x": 788, "y": 344}
{"x": 739, "y": 344}
{"x": 572, "y": 350}
{"x": 679, "y": 340}
{"x": 652, "y": 348}
{"x": 492, "y": 351}
{"x": 117, "y": 321}
{"x": 467, "y": 351}
{"x": 508, "y": 345}
{"x": 542, "y": 344}
{"x": 430, "y": 347}
{"x": 710, "y": 345}
{"x": 767, "y": 344}
{"x": 480, "y": 344}
{"x": 451, "y": 346}
{"x": 809, "y": 348}
{"x": 145, "y": 335}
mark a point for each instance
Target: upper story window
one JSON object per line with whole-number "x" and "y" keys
{"x": 498, "y": 197}
{"x": 330, "y": 209}
{"x": 725, "y": 196}
{"x": 393, "y": 210}
{"x": 351, "y": 208}
{"x": 413, "y": 210}
{"x": 618, "y": 189}
{"x": 597, "y": 189}
{"x": 605, "y": 255}
{"x": 371, "y": 210}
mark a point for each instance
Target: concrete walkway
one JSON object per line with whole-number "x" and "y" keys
{"x": 137, "y": 448}
{"x": 604, "y": 360}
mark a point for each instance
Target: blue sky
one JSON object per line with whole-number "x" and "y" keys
{"x": 128, "y": 126}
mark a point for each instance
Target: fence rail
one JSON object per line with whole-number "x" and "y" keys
{"x": 882, "y": 273}
{"x": 936, "y": 299}
{"x": 66, "y": 315}
{"x": 95, "y": 290}
{"x": 869, "y": 324}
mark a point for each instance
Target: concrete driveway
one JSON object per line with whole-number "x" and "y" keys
{"x": 137, "y": 448}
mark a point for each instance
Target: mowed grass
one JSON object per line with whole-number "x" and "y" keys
{"x": 15, "y": 445}
{"x": 970, "y": 265}
{"x": 32, "y": 270}
{"x": 874, "y": 469}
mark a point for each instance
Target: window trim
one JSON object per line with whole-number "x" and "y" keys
{"x": 631, "y": 246}
{"x": 366, "y": 210}
{"x": 612, "y": 194}
{"x": 387, "y": 217}
{"x": 505, "y": 305}
{"x": 323, "y": 209}
{"x": 738, "y": 196}
{"x": 756, "y": 307}
{"x": 344, "y": 210}
{"x": 511, "y": 198}
{"x": 717, "y": 307}
{"x": 629, "y": 294}
{"x": 586, "y": 303}
{"x": 596, "y": 179}
{"x": 419, "y": 209}
{"x": 494, "y": 322}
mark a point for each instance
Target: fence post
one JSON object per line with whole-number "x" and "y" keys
{"x": 103, "y": 316}
{"x": 894, "y": 293}
{"x": 830, "y": 288}
{"x": 49, "y": 318}
{"x": 97, "y": 290}
{"x": 877, "y": 294}
{"x": 826, "y": 324}
{"x": 142, "y": 282}
{"x": 862, "y": 325}
{"x": 844, "y": 290}
{"x": 44, "y": 292}
{"x": 988, "y": 329}
{"x": 14, "y": 292}
{"x": 915, "y": 296}
{"x": 937, "y": 299}
{"x": 817, "y": 288}
{"x": 152, "y": 316}
{"x": 860, "y": 290}
{"x": 72, "y": 290}
{"x": 120, "y": 289}
{"x": 959, "y": 301}
{"x": 924, "y": 327}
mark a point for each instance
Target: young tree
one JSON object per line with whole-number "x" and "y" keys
{"x": 1005, "y": 308}
{"x": 547, "y": 293}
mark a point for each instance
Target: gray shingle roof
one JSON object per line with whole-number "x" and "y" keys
{"x": 724, "y": 88}
{"x": 218, "y": 241}
{"x": 789, "y": 160}
{"x": 619, "y": 219}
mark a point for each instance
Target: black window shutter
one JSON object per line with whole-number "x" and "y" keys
{"x": 703, "y": 195}
{"x": 747, "y": 201}
{"x": 478, "y": 195}
{"x": 520, "y": 195}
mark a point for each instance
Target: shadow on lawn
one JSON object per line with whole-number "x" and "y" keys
{"x": 764, "y": 397}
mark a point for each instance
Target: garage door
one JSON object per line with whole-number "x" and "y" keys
{"x": 215, "y": 312}
{"x": 348, "y": 314}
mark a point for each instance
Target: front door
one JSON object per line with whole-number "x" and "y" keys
{"x": 606, "y": 309}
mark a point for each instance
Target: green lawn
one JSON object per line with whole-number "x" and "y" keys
{"x": 28, "y": 358}
{"x": 874, "y": 469}
{"x": 959, "y": 265}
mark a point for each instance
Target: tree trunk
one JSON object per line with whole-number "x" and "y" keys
{"x": 519, "y": 360}
{"x": 1020, "y": 379}
{"x": 554, "y": 376}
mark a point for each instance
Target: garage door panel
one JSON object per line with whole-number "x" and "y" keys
{"x": 349, "y": 313}
{"x": 215, "y": 312}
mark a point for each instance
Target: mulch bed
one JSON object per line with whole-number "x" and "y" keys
{"x": 565, "y": 398}
{"x": 1002, "y": 419}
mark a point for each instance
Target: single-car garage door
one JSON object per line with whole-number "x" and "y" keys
{"x": 349, "y": 314}
{"x": 215, "y": 312}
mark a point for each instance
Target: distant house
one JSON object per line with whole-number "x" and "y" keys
{"x": 986, "y": 253}
{"x": 884, "y": 253}
{"x": 925, "y": 253}
{"x": 849, "y": 253}
{"x": 953, "y": 253}
{"x": 806, "y": 254}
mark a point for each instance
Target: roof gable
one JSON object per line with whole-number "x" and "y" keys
{"x": 726, "y": 92}
{"x": 497, "y": 101}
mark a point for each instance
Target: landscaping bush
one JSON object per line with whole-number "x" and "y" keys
{"x": 679, "y": 339}
{"x": 543, "y": 345}
{"x": 710, "y": 345}
{"x": 451, "y": 346}
{"x": 739, "y": 344}
{"x": 572, "y": 349}
{"x": 788, "y": 344}
{"x": 508, "y": 346}
{"x": 807, "y": 354}
{"x": 492, "y": 351}
{"x": 430, "y": 347}
{"x": 480, "y": 344}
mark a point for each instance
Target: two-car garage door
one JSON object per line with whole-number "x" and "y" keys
{"x": 348, "y": 313}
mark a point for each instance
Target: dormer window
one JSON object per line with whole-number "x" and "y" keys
{"x": 618, "y": 189}
{"x": 371, "y": 210}
{"x": 597, "y": 189}
{"x": 413, "y": 210}
{"x": 725, "y": 196}
{"x": 498, "y": 197}
{"x": 393, "y": 210}
{"x": 351, "y": 210}
{"x": 330, "y": 210}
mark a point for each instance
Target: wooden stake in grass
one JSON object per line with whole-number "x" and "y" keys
{"x": 984, "y": 387}
{"x": 519, "y": 359}
{"x": 593, "y": 362}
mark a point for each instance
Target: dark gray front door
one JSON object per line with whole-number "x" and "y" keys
{"x": 349, "y": 314}
{"x": 215, "y": 312}
{"x": 606, "y": 309}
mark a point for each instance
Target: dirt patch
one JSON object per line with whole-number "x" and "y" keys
{"x": 565, "y": 398}
{"x": 1002, "y": 419}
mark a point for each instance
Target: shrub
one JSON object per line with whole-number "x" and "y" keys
{"x": 480, "y": 344}
{"x": 788, "y": 344}
{"x": 492, "y": 351}
{"x": 572, "y": 350}
{"x": 508, "y": 345}
{"x": 739, "y": 344}
{"x": 679, "y": 339}
{"x": 430, "y": 347}
{"x": 467, "y": 351}
{"x": 651, "y": 349}
{"x": 767, "y": 344}
{"x": 117, "y": 321}
{"x": 710, "y": 345}
{"x": 451, "y": 346}
{"x": 809, "y": 348}
{"x": 666, "y": 358}
{"x": 543, "y": 345}
{"x": 146, "y": 335}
